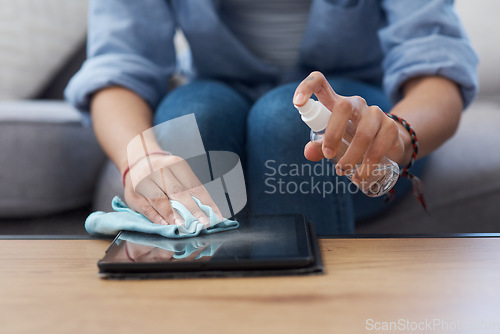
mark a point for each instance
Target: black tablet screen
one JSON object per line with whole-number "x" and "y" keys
{"x": 259, "y": 242}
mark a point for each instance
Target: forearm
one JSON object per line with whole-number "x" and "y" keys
{"x": 119, "y": 115}
{"x": 433, "y": 107}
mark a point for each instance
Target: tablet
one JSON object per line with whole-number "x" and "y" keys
{"x": 260, "y": 243}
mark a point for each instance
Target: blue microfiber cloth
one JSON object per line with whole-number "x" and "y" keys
{"x": 126, "y": 219}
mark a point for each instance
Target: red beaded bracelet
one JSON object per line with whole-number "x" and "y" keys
{"x": 130, "y": 166}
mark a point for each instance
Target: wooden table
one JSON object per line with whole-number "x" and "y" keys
{"x": 52, "y": 286}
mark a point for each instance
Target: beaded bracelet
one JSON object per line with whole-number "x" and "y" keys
{"x": 130, "y": 166}
{"x": 417, "y": 184}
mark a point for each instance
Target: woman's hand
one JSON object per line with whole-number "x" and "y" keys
{"x": 155, "y": 179}
{"x": 374, "y": 134}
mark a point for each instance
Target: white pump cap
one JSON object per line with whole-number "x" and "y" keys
{"x": 315, "y": 115}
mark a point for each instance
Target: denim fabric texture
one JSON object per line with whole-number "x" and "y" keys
{"x": 268, "y": 134}
{"x": 365, "y": 47}
{"x": 130, "y": 43}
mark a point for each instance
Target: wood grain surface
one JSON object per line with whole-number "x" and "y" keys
{"x": 439, "y": 285}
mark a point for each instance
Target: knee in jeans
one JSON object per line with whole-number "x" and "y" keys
{"x": 209, "y": 101}
{"x": 274, "y": 114}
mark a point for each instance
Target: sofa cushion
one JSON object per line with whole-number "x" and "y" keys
{"x": 36, "y": 39}
{"x": 49, "y": 156}
{"x": 480, "y": 19}
{"x": 462, "y": 182}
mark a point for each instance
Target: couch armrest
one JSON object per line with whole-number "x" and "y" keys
{"x": 50, "y": 158}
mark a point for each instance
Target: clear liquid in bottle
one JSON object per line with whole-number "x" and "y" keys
{"x": 383, "y": 177}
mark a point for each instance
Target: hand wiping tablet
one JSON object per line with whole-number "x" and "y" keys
{"x": 125, "y": 219}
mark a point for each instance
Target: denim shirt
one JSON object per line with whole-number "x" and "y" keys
{"x": 385, "y": 42}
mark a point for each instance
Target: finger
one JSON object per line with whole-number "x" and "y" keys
{"x": 177, "y": 192}
{"x": 204, "y": 197}
{"x": 368, "y": 127}
{"x": 164, "y": 208}
{"x": 157, "y": 200}
{"x": 189, "y": 180}
{"x": 178, "y": 220}
{"x": 147, "y": 210}
{"x": 160, "y": 200}
{"x": 386, "y": 139}
{"x": 316, "y": 84}
{"x": 313, "y": 152}
{"x": 344, "y": 110}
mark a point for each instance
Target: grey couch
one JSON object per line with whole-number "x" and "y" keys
{"x": 54, "y": 173}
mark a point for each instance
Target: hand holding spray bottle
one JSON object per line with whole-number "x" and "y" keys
{"x": 383, "y": 177}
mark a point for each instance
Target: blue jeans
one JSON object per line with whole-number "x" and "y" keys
{"x": 269, "y": 137}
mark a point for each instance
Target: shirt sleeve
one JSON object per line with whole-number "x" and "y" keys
{"x": 129, "y": 44}
{"x": 426, "y": 37}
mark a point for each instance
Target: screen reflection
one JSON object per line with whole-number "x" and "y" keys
{"x": 138, "y": 247}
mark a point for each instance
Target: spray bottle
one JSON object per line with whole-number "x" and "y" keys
{"x": 383, "y": 177}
